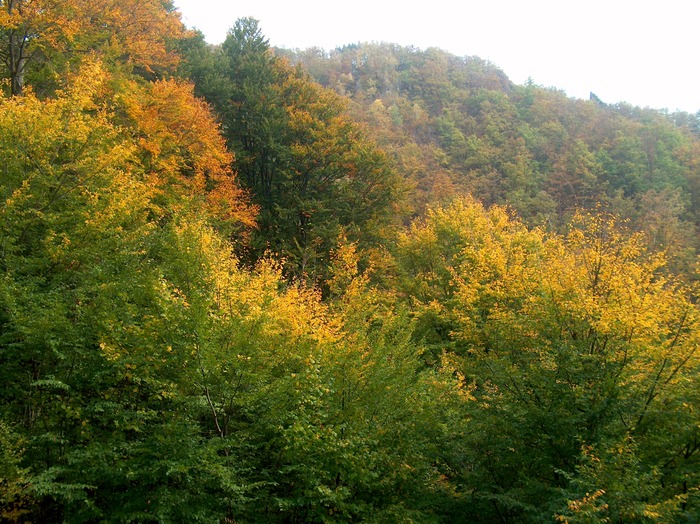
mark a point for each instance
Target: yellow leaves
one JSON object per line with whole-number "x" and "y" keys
{"x": 607, "y": 279}
{"x": 109, "y": 351}
{"x": 229, "y": 202}
{"x": 10, "y": 20}
{"x": 259, "y": 300}
{"x": 125, "y": 34}
{"x": 480, "y": 255}
{"x": 516, "y": 291}
{"x": 458, "y": 386}
{"x": 300, "y": 313}
{"x": 43, "y": 20}
{"x": 346, "y": 279}
{"x": 57, "y": 145}
{"x": 589, "y": 506}
{"x": 256, "y": 298}
{"x": 137, "y": 29}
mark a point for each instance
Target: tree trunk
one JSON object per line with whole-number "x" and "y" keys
{"x": 16, "y": 52}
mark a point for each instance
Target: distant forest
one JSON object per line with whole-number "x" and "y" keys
{"x": 378, "y": 284}
{"x": 457, "y": 125}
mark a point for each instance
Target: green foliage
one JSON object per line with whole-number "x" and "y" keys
{"x": 149, "y": 377}
{"x": 85, "y": 307}
{"x": 471, "y": 369}
{"x": 13, "y": 478}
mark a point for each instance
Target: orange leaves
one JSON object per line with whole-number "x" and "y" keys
{"x": 172, "y": 122}
{"x": 156, "y": 134}
{"x": 182, "y": 145}
{"x": 47, "y": 21}
{"x": 136, "y": 29}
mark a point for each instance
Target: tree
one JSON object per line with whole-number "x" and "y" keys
{"x": 182, "y": 150}
{"x": 308, "y": 166}
{"x": 581, "y": 354}
{"x": 574, "y": 181}
{"x": 47, "y": 34}
{"x": 95, "y": 325}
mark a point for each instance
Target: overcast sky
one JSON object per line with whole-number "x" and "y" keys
{"x": 644, "y": 53}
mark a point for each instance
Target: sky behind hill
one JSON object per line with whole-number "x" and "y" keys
{"x": 643, "y": 53}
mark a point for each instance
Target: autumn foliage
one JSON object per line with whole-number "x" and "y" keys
{"x": 42, "y": 38}
{"x": 223, "y": 299}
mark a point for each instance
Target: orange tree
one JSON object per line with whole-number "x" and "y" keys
{"x": 41, "y": 38}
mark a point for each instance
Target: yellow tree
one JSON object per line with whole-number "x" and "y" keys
{"x": 583, "y": 357}
{"x": 584, "y": 347}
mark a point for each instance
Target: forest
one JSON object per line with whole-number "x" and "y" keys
{"x": 382, "y": 284}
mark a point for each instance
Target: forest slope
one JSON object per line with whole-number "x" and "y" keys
{"x": 458, "y": 125}
{"x": 253, "y": 307}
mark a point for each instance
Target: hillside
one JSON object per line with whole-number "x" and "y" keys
{"x": 457, "y": 125}
{"x": 407, "y": 291}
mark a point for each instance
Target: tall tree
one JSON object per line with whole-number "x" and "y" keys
{"x": 309, "y": 167}
{"x": 93, "y": 202}
{"x": 582, "y": 355}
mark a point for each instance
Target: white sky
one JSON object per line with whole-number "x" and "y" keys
{"x": 641, "y": 52}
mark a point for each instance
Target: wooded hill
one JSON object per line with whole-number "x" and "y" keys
{"x": 379, "y": 284}
{"x": 457, "y": 125}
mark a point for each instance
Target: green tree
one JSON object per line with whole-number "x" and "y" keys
{"x": 95, "y": 327}
{"x": 309, "y": 167}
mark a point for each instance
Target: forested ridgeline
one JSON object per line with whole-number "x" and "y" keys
{"x": 409, "y": 292}
{"x": 457, "y": 125}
